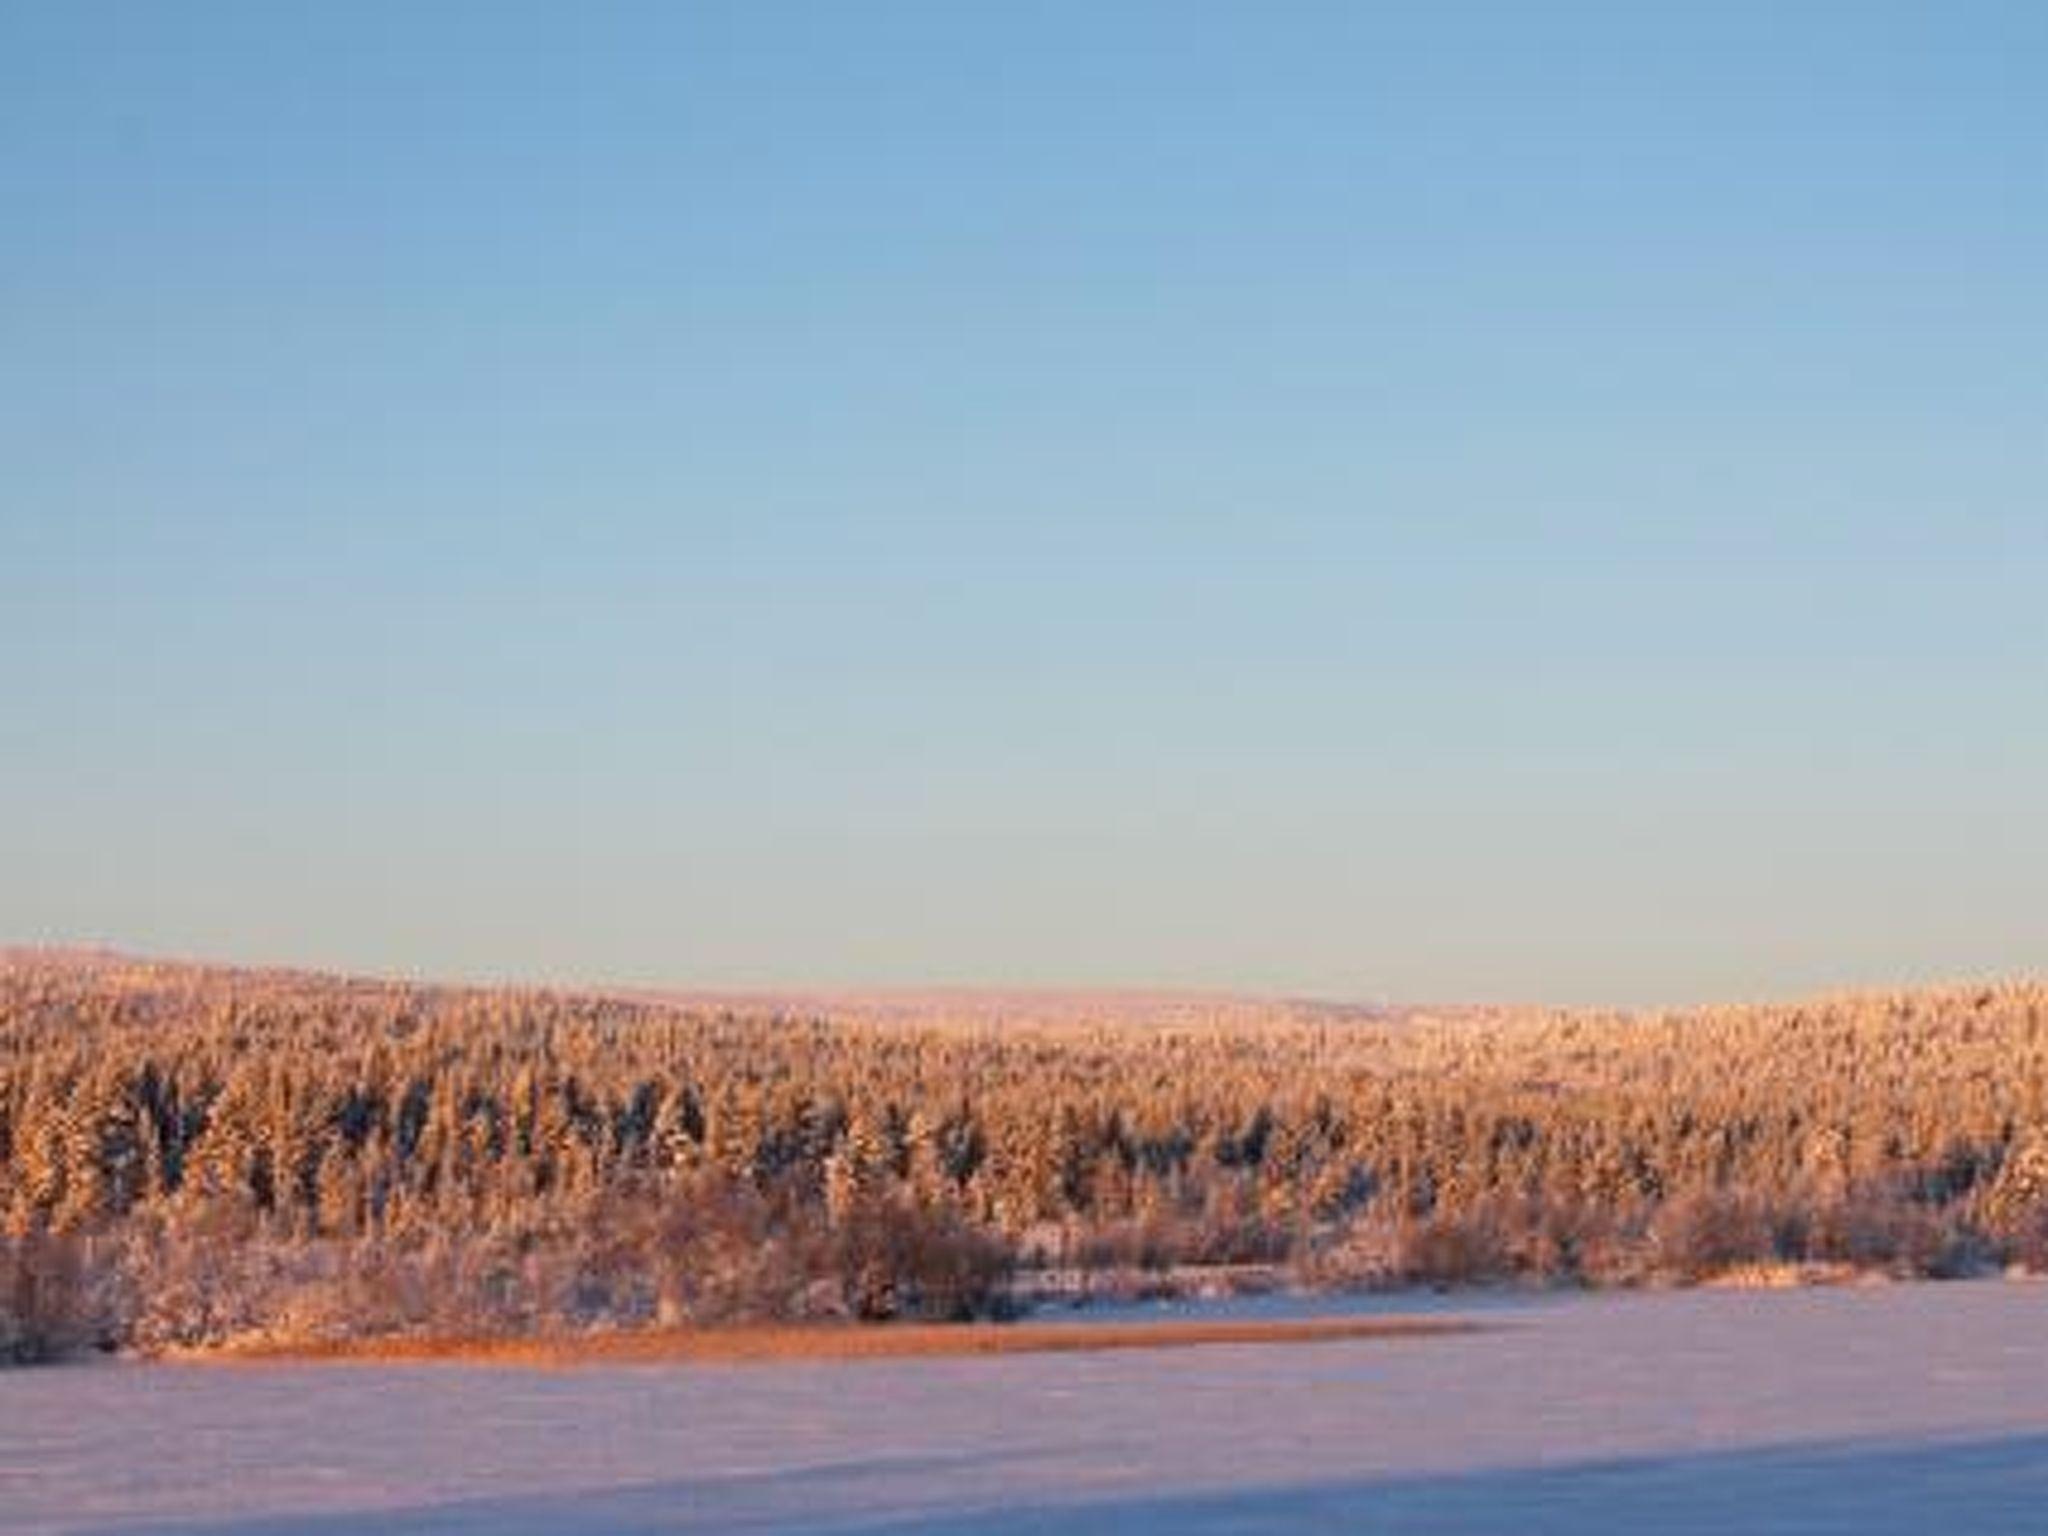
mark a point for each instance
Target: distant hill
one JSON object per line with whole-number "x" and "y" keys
{"x": 916, "y": 1007}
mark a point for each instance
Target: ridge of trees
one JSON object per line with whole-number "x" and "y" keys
{"x": 189, "y": 1156}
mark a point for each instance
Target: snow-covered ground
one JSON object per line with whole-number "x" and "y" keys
{"x": 1884, "y": 1409}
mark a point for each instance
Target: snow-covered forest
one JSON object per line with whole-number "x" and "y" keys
{"x": 191, "y": 1156}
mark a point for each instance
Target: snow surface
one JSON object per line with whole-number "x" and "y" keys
{"x": 1882, "y": 1409}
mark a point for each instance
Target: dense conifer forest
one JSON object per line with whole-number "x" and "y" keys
{"x": 194, "y": 1156}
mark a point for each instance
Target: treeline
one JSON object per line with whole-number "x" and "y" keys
{"x": 191, "y": 1156}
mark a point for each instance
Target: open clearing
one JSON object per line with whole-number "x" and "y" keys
{"x": 1870, "y": 1409}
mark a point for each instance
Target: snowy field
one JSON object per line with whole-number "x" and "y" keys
{"x": 1884, "y": 1409}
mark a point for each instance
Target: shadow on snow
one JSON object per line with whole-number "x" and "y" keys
{"x": 1862, "y": 1487}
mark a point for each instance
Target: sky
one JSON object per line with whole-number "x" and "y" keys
{"x": 1452, "y": 501}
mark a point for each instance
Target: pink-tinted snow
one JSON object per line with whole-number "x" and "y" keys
{"x": 1883, "y": 1409}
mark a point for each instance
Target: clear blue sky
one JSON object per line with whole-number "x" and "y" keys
{"x": 1517, "y": 501}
